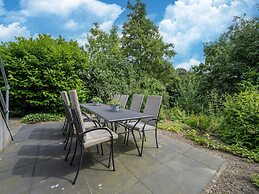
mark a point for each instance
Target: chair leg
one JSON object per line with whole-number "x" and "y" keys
{"x": 128, "y": 137}
{"x": 102, "y": 148}
{"x": 113, "y": 165}
{"x": 156, "y": 138}
{"x": 74, "y": 154}
{"x": 79, "y": 165}
{"x": 70, "y": 145}
{"x": 142, "y": 145}
{"x": 139, "y": 134}
{"x": 67, "y": 140}
{"x": 110, "y": 155}
{"x": 63, "y": 128}
{"x": 125, "y": 136}
{"x": 97, "y": 149}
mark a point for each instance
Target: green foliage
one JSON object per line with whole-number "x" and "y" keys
{"x": 114, "y": 102}
{"x": 171, "y": 126}
{"x": 107, "y": 73}
{"x": 202, "y": 122}
{"x": 189, "y": 98}
{"x": 175, "y": 126}
{"x": 173, "y": 114}
{"x": 40, "y": 117}
{"x": 97, "y": 99}
{"x": 255, "y": 180}
{"x": 214, "y": 144}
{"x": 38, "y": 69}
{"x": 147, "y": 54}
{"x": 241, "y": 120}
{"x": 231, "y": 59}
{"x": 142, "y": 43}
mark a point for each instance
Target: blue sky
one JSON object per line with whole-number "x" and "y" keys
{"x": 186, "y": 23}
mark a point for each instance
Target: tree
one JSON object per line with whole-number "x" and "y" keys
{"x": 232, "y": 59}
{"x": 106, "y": 75}
{"x": 143, "y": 45}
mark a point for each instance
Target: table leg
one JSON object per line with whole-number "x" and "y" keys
{"x": 134, "y": 138}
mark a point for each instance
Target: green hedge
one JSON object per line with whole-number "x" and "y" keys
{"x": 40, "y": 117}
{"x": 38, "y": 69}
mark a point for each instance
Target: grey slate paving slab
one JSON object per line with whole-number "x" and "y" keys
{"x": 203, "y": 157}
{"x": 34, "y": 163}
{"x": 136, "y": 187}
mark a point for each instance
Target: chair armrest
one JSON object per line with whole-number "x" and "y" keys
{"x": 149, "y": 121}
{"x": 84, "y": 113}
{"x": 95, "y": 129}
{"x": 96, "y": 123}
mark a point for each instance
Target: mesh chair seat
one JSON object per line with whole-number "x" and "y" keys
{"x": 98, "y": 137}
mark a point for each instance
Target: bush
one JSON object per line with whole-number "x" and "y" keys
{"x": 171, "y": 126}
{"x": 174, "y": 114}
{"x": 255, "y": 180}
{"x": 204, "y": 123}
{"x": 177, "y": 114}
{"x": 40, "y": 117}
{"x": 38, "y": 69}
{"x": 214, "y": 144}
{"x": 240, "y": 124}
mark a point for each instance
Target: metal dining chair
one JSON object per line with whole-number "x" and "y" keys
{"x": 116, "y": 97}
{"x": 123, "y": 100}
{"x": 69, "y": 129}
{"x": 152, "y": 107}
{"x": 87, "y": 137}
{"x": 136, "y": 102}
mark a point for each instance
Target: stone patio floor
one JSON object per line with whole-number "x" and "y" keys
{"x": 34, "y": 163}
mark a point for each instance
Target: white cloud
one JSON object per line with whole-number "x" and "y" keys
{"x": 191, "y": 22}
{"x": 82, "y": 39}
{"x": 8, "y": 33}
{"x": 67, "y": 7}
{"x": 188, "y": 64}
{"x": 106, "y": 26}
{"x": 76, "y": 14}
{"x": 72, "y": 25}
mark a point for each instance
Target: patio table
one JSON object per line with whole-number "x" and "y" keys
{"x": 104, "y": 111}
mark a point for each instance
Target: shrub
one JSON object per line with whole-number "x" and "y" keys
{"x": 171, "y": 126}
{"x": 241, "y": 120}
{"x": 214, "y": 144}
{"x": 97, "y": 99}
{"x": 204, "y": 123}
{"x": 255, "y": 180}
{"x": 38, "y": 69}
{"x": 177, "y": 114}
{"x": 40, "y": 117}
{"x": 174, "y": 114}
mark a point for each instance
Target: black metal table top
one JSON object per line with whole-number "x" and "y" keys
{"x": 107, "y": 114}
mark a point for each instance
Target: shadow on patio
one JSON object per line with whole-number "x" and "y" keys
{"x": 34, "y": 163}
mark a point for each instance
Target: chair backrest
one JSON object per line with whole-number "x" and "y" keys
{"x": 76, "y": 122}
{"x": 116, "y": 97}
{"x": 123, "y": 100}
{"x": 76, "y": 107}
{"x": 65, "y": 98}
{"x": 152, "y": 106}
{"x": 66, "y": 104}
{"x": 136, "y": 102}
